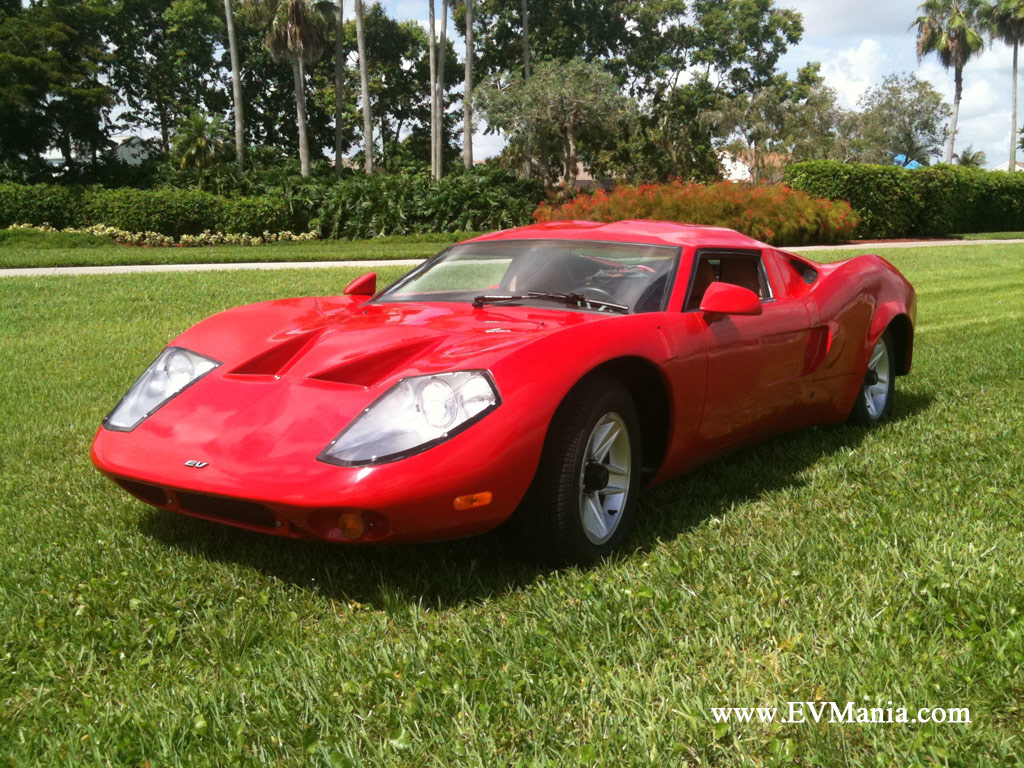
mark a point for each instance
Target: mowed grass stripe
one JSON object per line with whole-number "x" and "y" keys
{"x": 36, "y": 249}
{"x": 835, "y": 564}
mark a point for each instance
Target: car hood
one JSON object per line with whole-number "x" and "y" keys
{"x": 340, "y": 340}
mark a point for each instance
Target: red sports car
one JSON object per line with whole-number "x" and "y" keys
{"x": 540, "y": 376}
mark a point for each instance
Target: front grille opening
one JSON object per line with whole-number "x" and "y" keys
{"x": 151, "y": 494}
{"x": 234, "y": 510}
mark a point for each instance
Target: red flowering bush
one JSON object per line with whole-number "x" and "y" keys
{"x": 775, "y": 214}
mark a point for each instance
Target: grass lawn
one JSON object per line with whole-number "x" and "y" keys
{"x": 43, "y": 249}
{"x": 20, "y": 248}
{"x": 836, "y": 564}
{"x": 992, "y": 236}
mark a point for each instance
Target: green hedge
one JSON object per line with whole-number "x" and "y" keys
{"x": 370, "y": 206}
{"x": 925, "y": 202}
{"x": 39, "y": 204}
{"x": 355, "y": 207}
{"x": 172, "y": 212}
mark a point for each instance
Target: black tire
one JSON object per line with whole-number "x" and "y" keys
{"x": 550, "y": 523}
{"x": 878, "y": 390}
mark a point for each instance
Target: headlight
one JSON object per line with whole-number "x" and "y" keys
{"x": 173, "y": 370}
{"x": 414, "y": 415}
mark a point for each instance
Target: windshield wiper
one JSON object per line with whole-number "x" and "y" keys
{"x": 572, "y": 299}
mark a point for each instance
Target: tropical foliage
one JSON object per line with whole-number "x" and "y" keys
{"x": 952, "y": 30}
{"x": 775, "y": 214}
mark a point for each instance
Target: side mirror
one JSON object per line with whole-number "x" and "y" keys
{"x": 364, "y": 285}
{"x": 729, "y": 299}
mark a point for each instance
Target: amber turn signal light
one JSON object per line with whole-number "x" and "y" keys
{"x": 473, "y": 500}
{"x": 352, "y": 525}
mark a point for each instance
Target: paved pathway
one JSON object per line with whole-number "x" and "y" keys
{"x": 123, "y": 269}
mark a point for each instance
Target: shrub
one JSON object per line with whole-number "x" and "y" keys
{"x": 87, "y": 235}
{"x": 881, "y": 194}
{"x": 40, "y": 204}
{"x": 370, "y": 206}
{"x": 774, "y": 214}
{"x": 253, "y": 215}
{"x": 172, "y": 212}
{"x": 169, "y": 212}
{"x": 933, "y": 201}
{"x": 354, "y": 207}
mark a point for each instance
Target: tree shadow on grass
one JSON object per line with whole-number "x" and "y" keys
{"x": 449, "y": 574}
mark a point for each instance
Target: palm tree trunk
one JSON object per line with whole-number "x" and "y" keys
{"x": 299, "y": 70}
{"x": 958, "y": 89}
{"x": 467, "y": 98}
{"x": 433, "y": 93}
{"x": 1012, "y": 168}
{"x": 364, "y": 87}
{"x": 528, "y": 165}
{"x": 339, "y": 82}
{"x": 526, "y": 41}
{"x": 442, "y": 55}
{"x": 236, "y": 86}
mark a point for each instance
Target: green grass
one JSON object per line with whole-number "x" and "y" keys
{"x": 44, "y": 249}
{"x": 992, "y": 236}
{"x": 836, "y": 563}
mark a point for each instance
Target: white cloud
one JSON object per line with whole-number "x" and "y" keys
{"x": 854, "y": 70}
{"x": 854, "y": 18}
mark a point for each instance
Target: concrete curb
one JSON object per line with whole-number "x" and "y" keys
{"x": 373, "y": 264}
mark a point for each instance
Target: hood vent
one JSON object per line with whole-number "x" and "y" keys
{"x": 279, "y": 358}
{"x": 367, "y": 370}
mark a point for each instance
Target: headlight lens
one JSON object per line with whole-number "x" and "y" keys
{"x": 414, "y": 415}
{"x": 173, "y": 370}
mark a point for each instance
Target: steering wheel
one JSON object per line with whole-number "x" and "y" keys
{"x": 596, "y": 293}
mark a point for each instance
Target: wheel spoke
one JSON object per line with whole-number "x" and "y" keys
{"x": 603, "y": 442}
{"x": 618, "y": 480}
{"x": 595, "y": 521}
{"x": 878, "y": 355}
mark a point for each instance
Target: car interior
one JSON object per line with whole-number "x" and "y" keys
{"x": 743, "y": 269}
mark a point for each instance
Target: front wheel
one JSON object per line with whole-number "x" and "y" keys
{"x": 582, "y": 501}
{"x": 877, "y": 392}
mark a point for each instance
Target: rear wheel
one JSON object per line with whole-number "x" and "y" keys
{"x": 582, "y": 501}
{"x": 877, "y": 392}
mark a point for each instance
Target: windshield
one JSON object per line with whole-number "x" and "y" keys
{"x": 577, "y": 274}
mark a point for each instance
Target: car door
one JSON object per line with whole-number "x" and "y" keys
{"x": 755, "y": 362}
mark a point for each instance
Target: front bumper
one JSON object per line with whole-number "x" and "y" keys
{"x": 267, "y": 478}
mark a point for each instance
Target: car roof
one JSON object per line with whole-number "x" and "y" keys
{"x": 629, "y": 231}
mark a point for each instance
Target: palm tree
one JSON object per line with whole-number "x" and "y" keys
{"x": 442, "y": 56}
{"x": 296, "y": 33}
{"x": 438, "y": 53}
{"x": 950, "y": 30}
{"x": 526, "y": 41}
{"x": 432, "y": 48}
{"x": 200, "y": 140}
{"x": 969, "y": 158}
{"x": 236, "y": 86}
{"x": 364, "y": 88}
{"x": 1005, "y": 20}
{"x": 467, "y": 98}
{"x": 339, "y": 81}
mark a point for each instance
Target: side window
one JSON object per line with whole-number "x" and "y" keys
{"x": 742, "y": 268}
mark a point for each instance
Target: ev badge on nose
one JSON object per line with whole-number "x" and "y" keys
{"x": 196, "y": 463}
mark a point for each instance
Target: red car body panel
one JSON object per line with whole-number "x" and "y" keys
{"x": 295, "y": 372}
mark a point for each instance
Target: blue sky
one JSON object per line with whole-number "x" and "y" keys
{"x": 858, "y": 42}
